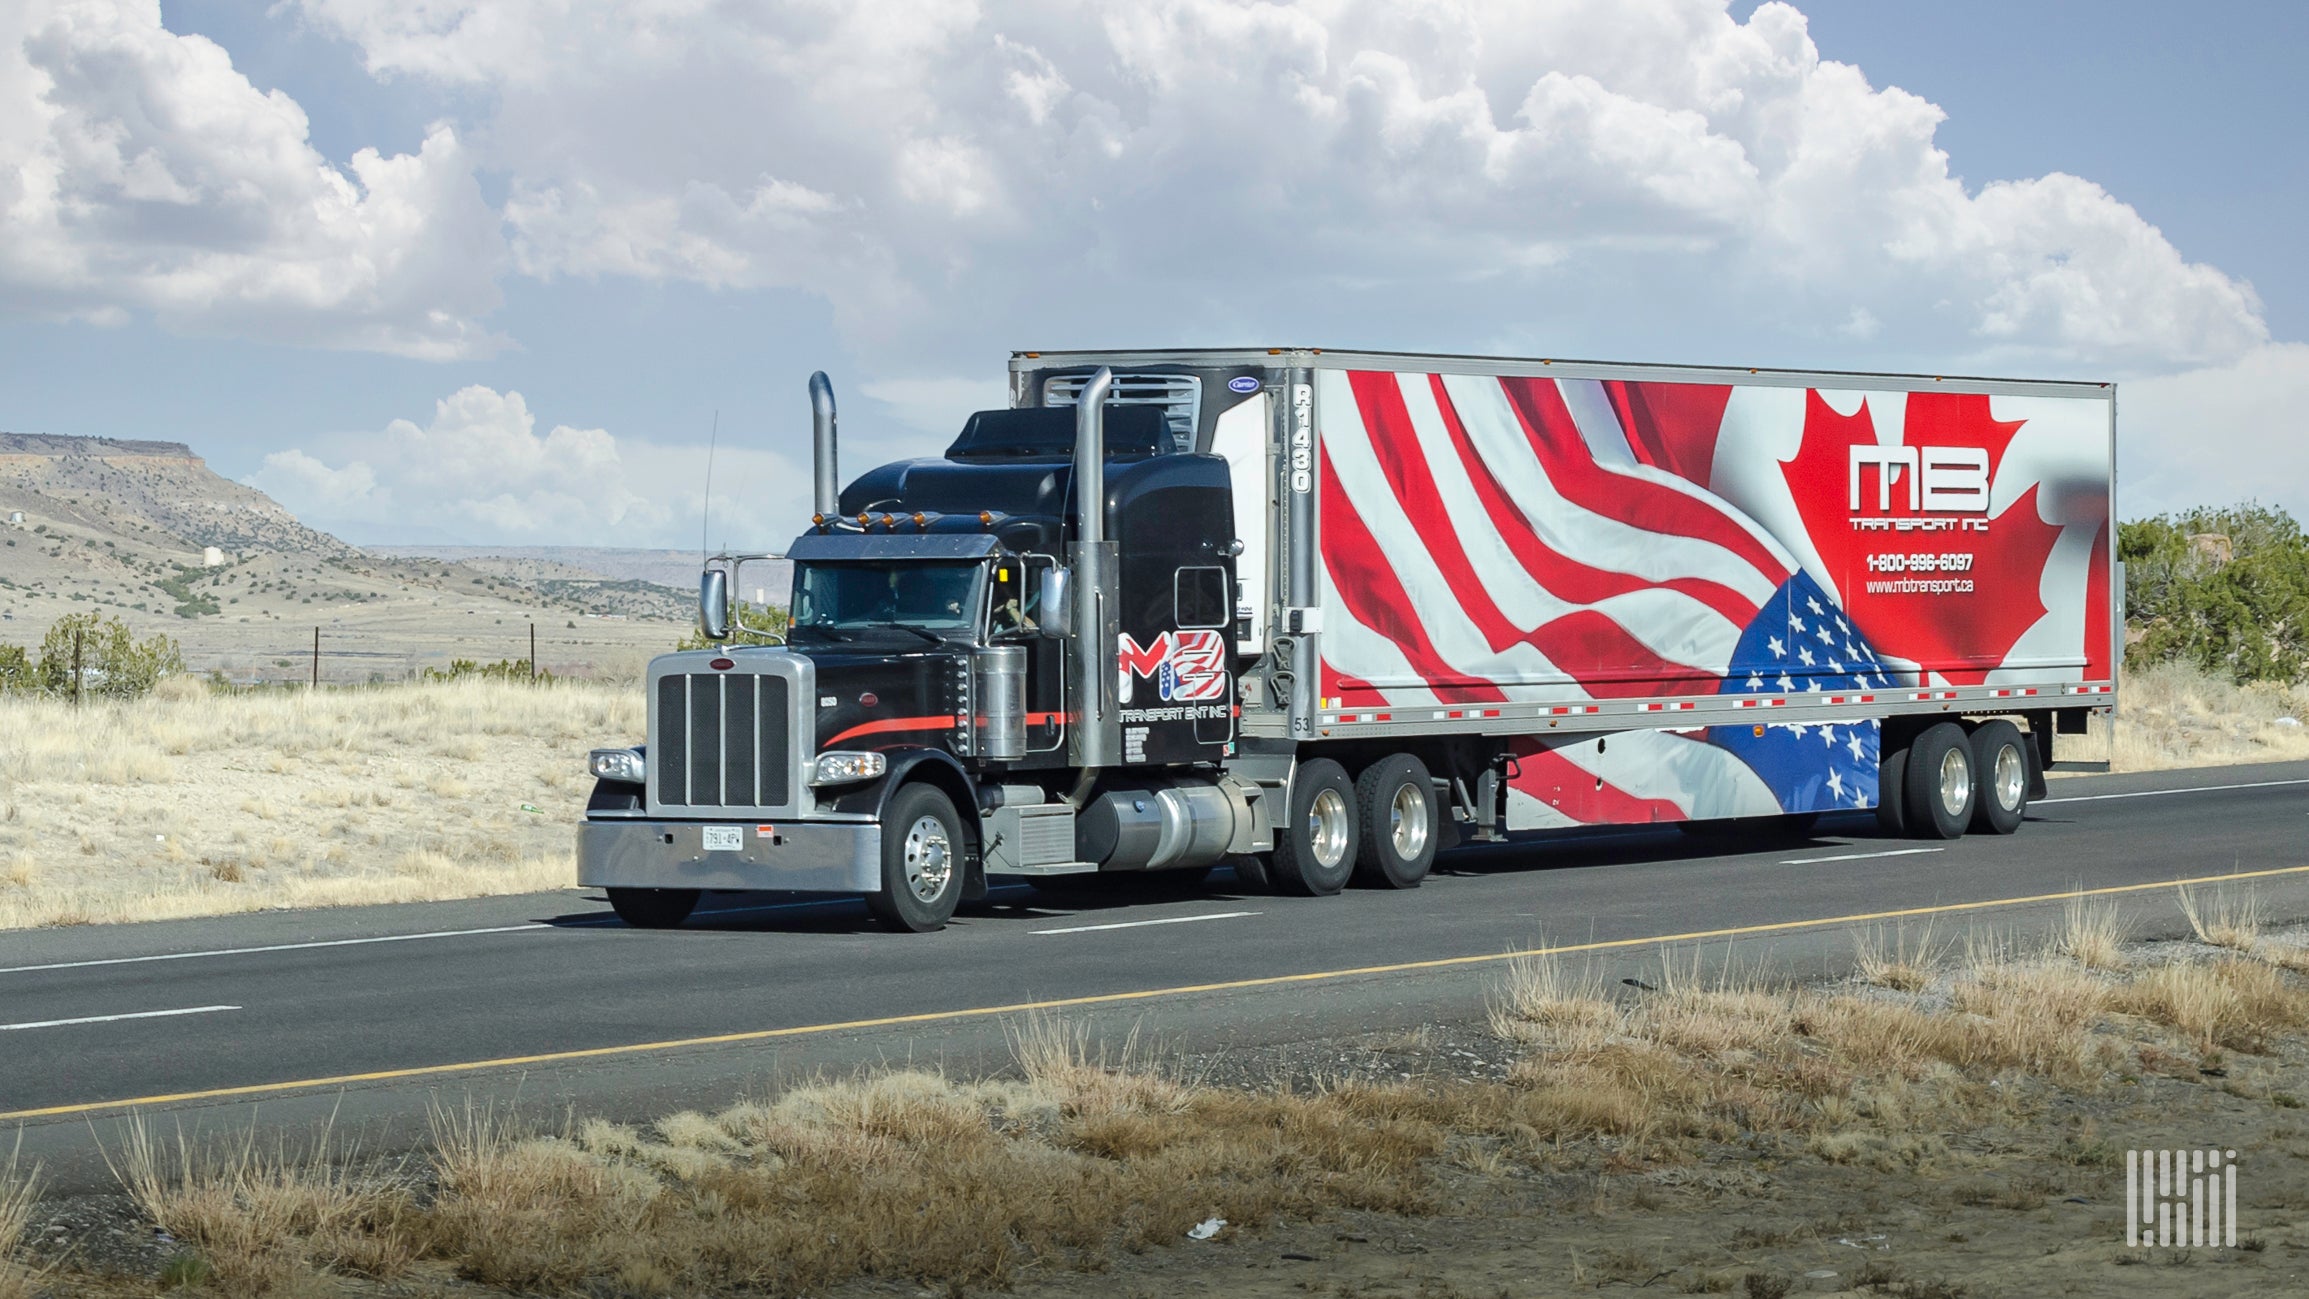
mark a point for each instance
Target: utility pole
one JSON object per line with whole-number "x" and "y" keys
{"x": 316, "y": 658}
{"x": 533, "y": 653}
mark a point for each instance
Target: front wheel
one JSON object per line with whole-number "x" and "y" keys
{"x": 1315, "y": 847}
{"x": 653, "y": 908}
{"x": 922, "y": 861}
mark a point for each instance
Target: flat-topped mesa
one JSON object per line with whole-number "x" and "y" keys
{"x": 52, "y": 445}
{"x": 135, "y": 491}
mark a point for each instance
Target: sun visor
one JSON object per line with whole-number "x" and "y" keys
{"x": 822, "y": 547}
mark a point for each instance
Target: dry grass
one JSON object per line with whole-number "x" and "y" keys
{"x": 264, "y": 1220}
{"x": 2093, "y": 933}
{"x": 2228, "y": 920}
{"x": 901, "y": 1175}
{"x": 1900, "y": 961}
{"x": 908, "y": 1177}
{"x": 189, "y": 803}
{"x": 2239, "y": 1005}
{"x": 2177, "y": 716}
{"x": 19, "y": 1191}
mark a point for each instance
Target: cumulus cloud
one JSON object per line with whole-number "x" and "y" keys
{"x": 1645, "y": 179}
{"x": 480, "y": 472}
{"x": 2217, "y": 435}
{"x": 1636, "y": 177}
{"x": 140, "y": 172}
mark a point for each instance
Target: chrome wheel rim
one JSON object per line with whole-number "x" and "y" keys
{"x": 929, "y": 858}
{"x": 1407, "y": 822}
{"x": 1955, "y": 782}
{"x": 2011, "y": 777}
{"x": 1327, "y": 828}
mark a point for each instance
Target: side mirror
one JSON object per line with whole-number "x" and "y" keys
{"x": 1057, "y": 601}
{"x": 714, "y": 603}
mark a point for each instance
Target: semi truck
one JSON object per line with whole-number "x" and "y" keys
{"x": 1322, "y": 614}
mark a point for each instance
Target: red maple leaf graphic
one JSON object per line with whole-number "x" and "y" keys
{"x": 1957, "y": 617}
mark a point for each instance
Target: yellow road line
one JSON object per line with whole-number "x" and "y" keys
{"x": 1111, "y": 998}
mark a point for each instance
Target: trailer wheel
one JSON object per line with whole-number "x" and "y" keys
{"x": 653, "y": 908}
{"x": 1400, "y": 823}
{"x": 1315, "y": 848}
{"x": 1940, "y": 783}
{"x": 1892, "y": 791}
{"x": 922, "y": 861}
{"x": 2000, "y": 774}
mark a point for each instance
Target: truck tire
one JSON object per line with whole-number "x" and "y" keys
{"x": 1892, "y": 791}
{"x": 922, "y": 861}
{"x": 1940, "y": 784}
{"x": 1315, "y": 847}
{"x": 652, "y": 908}
{"x": 1400, "y": 827}
{"x": 2000, "y": 778}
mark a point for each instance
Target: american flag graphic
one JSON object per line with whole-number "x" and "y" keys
{"x": 1548, "y": 541}
{"x": 1196, "y": 668}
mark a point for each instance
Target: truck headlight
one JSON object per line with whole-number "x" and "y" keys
{"x": 622, "y": 765}
{"x": 841, "y": 768}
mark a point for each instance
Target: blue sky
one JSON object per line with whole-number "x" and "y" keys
{"x": 635, "y": 217}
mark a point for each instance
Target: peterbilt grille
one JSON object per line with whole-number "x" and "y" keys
{"x": 724, "y": 740}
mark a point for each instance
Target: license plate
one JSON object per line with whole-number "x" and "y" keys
{"x": 725, "y": 838}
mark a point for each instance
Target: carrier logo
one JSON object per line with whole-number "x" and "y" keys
{"x": 1186, "y": 665}
{"x": 1941, "y": 480}
{"x": 1243, "y": 383}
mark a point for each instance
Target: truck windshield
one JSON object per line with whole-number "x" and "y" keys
{"x": 931, "y": 597}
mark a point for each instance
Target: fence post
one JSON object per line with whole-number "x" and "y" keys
{"x": 533, "y": 653}
{"x": 316, "y": 658}
{"x": 77, "y": 675}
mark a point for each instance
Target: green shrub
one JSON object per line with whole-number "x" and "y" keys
{"x": 189, "y": 603}
{"x": 501, "y": 670}
{"x": 113, "y": 663}
{"x": 16, "y": 671}
{"x": 754, "y": 625}
{"x": 2224, "y": 589}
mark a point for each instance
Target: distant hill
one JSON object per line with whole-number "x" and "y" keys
{"x": 146, "y": 531}
{"x": 674, "y": 569}
{"x": 160, "y": 490}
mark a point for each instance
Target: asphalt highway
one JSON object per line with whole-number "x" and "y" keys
{"x": 372, "y": 1013}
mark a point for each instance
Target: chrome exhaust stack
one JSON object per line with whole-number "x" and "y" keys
{"x": 1097, "y": 726}
{"x": 829, "y": 480}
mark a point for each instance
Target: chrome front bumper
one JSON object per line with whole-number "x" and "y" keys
{"x": 809, "y": 857}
